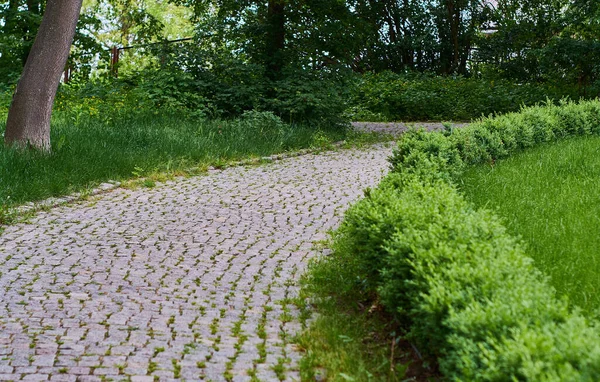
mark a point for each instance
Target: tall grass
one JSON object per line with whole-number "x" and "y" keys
{"x": 87, "y": 150}
{"x": 549, "y": 196}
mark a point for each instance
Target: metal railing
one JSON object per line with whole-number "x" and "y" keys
{"x": 115, "y": 52}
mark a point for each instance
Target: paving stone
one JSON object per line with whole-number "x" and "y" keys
{"x": 78, "y": 370}
{"x": 88, "y": 378}
{"x": 35, "y": 377}
{"x": 141, "y": 378}
{"x": 173, "y": 281}
{"x": 63, "y": 378}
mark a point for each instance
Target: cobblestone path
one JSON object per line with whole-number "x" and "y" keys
{"x": 186, "y": 281}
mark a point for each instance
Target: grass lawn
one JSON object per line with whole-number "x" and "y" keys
{"x": 91, "y": 150}
{"x": 352, "y": 338}
{"x": 351, "y": 344}
{"x": 550, "y": 196}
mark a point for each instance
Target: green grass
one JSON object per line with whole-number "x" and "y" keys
{"x": 549, "y": 195}
{"x": 349, "y": 346}
{"x": 351, "y": 338}
{"x": 89, "y": 150}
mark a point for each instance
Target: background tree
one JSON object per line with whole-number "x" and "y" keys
{"x": 523, "y": 29}
{"x": 573, "y": 55}
{"x": 29, "y": 116}
{"x": 20, "y": 20}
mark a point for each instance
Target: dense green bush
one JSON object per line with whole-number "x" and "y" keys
{"x": 313, "y": 99}
{"x": 472, "y": 296}
{"x": 488, "y": 139}
{"x": 419, "y": 97}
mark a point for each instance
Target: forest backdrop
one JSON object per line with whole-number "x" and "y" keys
{"x": 318, "y": 61}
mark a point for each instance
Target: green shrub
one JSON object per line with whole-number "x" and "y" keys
{"x": 419, "y": 97}
{"x": 264, "y": 125}
{"x": 494, "y": 138}
{"x": 310, "y": 99}
{"x": 314, "y": 98}
{"x": 472, "y": 296}
{"x": 361, "y": 113}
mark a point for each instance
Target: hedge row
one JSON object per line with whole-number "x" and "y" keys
{"x": 472, "y": 296}
{"x": 417, "y": 97}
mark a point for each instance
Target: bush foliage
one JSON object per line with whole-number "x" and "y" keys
{"x": 473, "y": 297}
{"x": 314, "y": 99}
{"x": 389, "y": 96}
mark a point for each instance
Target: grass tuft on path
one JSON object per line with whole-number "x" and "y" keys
{"x": 549, "y": 196}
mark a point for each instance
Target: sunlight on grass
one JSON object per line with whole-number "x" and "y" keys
{"x": 550, "y": 196}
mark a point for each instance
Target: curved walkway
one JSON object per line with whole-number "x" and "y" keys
{"x": 190, "y": 280}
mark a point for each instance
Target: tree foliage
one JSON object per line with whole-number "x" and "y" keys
{"x": 296, "y": 57}
{"x": 524, "y": 40}
{"x": 19, "y": 23}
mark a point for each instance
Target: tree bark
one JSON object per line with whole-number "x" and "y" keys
{"x": 29, "y": 116}
{"x": 275, "y": 38}
{"x": 454, "y": 20}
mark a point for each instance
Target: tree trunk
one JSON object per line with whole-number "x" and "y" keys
{"x": 454, "y": 20}
{"x": 275, "y": 38}
{"x": 28, "y": 121}
{"x": 407, "y": 31}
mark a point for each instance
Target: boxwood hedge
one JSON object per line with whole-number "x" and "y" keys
{"x": 472, "y": 296}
